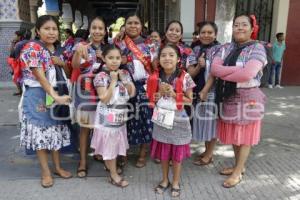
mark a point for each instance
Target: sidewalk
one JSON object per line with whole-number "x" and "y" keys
{"x": 273, "y": 168}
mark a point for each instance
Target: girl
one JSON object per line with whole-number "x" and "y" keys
{"x": 137, "y": 55}
{"x": 173, "y": 35}
{"x": 173, "y": 87}
{"x": 87, "y": 57}
{"x": 39, "y": 131}
{"x": 114, "y": 88}
{"x": 238, "y": 66}
{"x": 204, "y": 120}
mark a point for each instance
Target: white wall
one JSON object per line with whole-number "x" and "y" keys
{"x": 187, "y": 18}
{"x": 280, "y": 17}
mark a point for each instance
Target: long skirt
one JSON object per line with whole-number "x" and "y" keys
{"x": 140, "y": 126}
{"x": 38, "y": 128}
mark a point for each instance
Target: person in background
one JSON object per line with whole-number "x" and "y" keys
{"x": 278, "y": 51}
{"x": 195, "y": 40}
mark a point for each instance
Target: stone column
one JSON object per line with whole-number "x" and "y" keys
{"x": 85, "y": 24}
{"x": 9, "y": 23}
{"x": 34, "y": 4}
{"x": 67, "y": 15}
{"x": 78, "y": 20}
{"x": 225, "y": 11}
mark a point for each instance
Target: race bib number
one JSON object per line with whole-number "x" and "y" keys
{"x": 163, "y": 117}
{"x": 114, "y": 117}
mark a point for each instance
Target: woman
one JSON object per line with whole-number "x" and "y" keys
{"x": 88, "y": 58}
{"x": 137, "y": 55}
{"x": 204, "y": 120}
{"x": 39, "y": 130}
{"x": 238, "y": 66}
{"x": 173, "y": 35}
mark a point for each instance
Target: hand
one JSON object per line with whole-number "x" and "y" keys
{"x": 201, "y": 60}
{"x": 203, "y": 95}
{"x": 57, "y": 61}
{"x": 114, "y": 75}
{"x": 62, "y": 100}
{"x": 82, "y": 50}
{"x": 99, "y": 54}
{"x": 122, "y": 76}
{"x": 162, "y": 88}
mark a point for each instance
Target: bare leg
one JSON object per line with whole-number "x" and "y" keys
{"x": 210, "y": 145}
{"x": 235, "y": 177}
{"x": 165, "y": 177}
{"x": 58, "y": 170}
{"x": 83, "y": 143}
{"x": 47, "y": 180}
{"x": 176, "y": 179}
{"x": 141, "y": 162}
{"x": 116, "y": 179}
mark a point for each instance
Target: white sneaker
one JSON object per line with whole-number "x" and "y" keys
{"x": 278, "y": 86}
{"x": 270, "y": 86}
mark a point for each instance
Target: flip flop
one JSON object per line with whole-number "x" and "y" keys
{"x": 160, "y": 189}
{"x": 85, "y": 171}
{"x": 47, "y": 184}
{"x": 232, "y": 183}
{"x": 61, "y": 176}
{"x": 117, "y": 184}
{"x": 175, "y": 192}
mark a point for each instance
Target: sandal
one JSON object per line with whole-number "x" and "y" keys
{"x": 160, "y": 189}
{"x": 232, "y": 182}
{"x": 98, "y": 158}
{"x": 201, "y": 162}
{"x": 80, "y": 171}
{"x": 199, "y": 156}
{"x": 141, "y": 162}
{"x": 119, "y": 183}
{"x": 46, "y": 181}
{"x": 175, "y": 192}
{"x": 119, "y": 170}
{"x": 228, "y": 171}
{"x": 63, "y": 175}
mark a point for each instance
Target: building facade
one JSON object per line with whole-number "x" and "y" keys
{"x": 273, "y": 16}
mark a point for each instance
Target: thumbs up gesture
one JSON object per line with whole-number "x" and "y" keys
{"x": 201, "y": 61}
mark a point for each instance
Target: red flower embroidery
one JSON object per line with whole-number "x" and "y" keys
{"x": 187, "y": 51}
{"x": 129, "y": 58}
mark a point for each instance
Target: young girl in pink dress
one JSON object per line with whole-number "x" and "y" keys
{"x": 114, "y": 88}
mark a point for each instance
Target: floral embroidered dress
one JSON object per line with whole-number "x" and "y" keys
{"x": 140, "y": 127}
{"x": 84, "y": 87}
{"x": 188, "y": 56}
{"x": 38, "y": 129}
{"x": 173, "y": 143}
{"x": 240, "y": 119}
{"x": 110, "y": 141}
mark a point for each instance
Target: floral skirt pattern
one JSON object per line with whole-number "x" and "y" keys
{"x": 44, "y": 137}
{"x": 139, "y": 128}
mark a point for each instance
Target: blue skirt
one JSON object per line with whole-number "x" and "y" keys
{"x": 140, "y": 126}
{"x": 204, "y": 120}
{"x": 38, "y": 129}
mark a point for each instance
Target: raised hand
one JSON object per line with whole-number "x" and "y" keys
{"x": 201, "y": 60}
